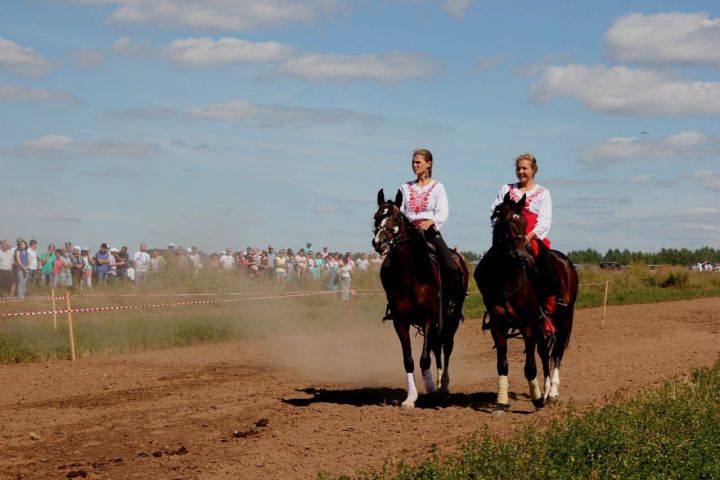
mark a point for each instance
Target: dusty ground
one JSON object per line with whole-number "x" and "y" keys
{"x": 322, "y": 402}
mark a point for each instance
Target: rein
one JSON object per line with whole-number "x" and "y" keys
{"x": 396, "y": 239}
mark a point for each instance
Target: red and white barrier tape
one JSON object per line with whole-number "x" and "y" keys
{"x": 200, "y": 302}
{"x": 120, "y": 295}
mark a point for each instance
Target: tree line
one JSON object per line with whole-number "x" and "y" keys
{"x": 666, "y": 256}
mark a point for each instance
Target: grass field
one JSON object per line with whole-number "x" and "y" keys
{"x": 24, "y": 339}
{"x": 671, "y": 432}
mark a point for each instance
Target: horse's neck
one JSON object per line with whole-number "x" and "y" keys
{"x": 411, "y": 258}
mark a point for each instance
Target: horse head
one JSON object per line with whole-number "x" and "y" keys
{"x": 509, "y": 228}
{"x": 389, "y": 226}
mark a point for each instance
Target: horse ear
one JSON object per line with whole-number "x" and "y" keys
{"x": 398, "y": 198}
{"x": 521, "y": 202}
{"x": 381, "y": 197}
{"x": 506, "y": 198}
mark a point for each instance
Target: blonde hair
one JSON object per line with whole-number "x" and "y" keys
{"x": 427, "y": 155}
{"x": 530, "y": 158}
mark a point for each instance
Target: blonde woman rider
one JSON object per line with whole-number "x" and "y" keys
{"x": 538, "y": 216}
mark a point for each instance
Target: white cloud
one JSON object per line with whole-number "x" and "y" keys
{"x": 218, "y": 14}
{"x": 280, "y": 115}
{"x": 456, "y": 8}
{"x": 704, "y": 211}
{"x": 650, "y": 181}
{"x": 148, "y": 113}
{"x": 390, "y": 68}
{"x": 625, "y": 91}
{"x": 196, "y": 52}
{"x": 60, "y": 146}
{"x": 17, "y": 93}
{"x": 21, "y": 60}
{"x": 88, "y": 58}
{"x": 682, "y": 38}
{"x": 679, "y": 145}
{"x": 206, "y": 51}
{"x": 709, "y": 179}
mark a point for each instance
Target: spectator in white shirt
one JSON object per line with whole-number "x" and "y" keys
{"x": 141, "y": 264}
{"x": 227, "y": 262}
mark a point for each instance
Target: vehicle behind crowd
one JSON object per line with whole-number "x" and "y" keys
{"x": 25, "y": 267}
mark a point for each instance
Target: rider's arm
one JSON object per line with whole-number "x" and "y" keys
{"x": 442, "y": 208}
{"x": 544, "y": 218}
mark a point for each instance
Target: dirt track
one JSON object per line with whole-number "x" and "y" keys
{"x": 329, "y": 402}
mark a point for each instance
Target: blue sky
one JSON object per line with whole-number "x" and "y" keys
{"x": 233, "y": 123}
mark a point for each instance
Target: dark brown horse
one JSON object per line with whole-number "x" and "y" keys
{"x": 508, "y": 281}
{"x": 412, "y": 284}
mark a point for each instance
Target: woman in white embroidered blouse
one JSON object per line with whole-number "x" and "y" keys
{"x": 425, "y": 204}
{"x": 538, "y": 218}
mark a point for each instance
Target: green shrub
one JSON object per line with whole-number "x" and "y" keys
{"x": 672, "y": 432}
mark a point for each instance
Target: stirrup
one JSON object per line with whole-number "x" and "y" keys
{"x": 560, "y": 301}
{"x": 388, "y": 314}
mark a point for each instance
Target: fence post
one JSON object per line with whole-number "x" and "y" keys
{"x": 70, "y": 327}
{"x": 607, "y": 284}
{"x": 52, "y": 292}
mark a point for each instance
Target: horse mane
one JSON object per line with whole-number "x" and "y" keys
{"x": 495, "y": 218}
{"x": 421, "y": 258}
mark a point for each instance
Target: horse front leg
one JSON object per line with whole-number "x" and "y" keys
{"x": 429, "y": 343}
{"x": 402, "y": 329}
{"x": 448, "y": 344}
{"x": 544, "y": 353}
{"x": 502, "y": 403}
{"x": 531, "y": 370}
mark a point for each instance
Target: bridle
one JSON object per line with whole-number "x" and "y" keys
{"x": 509, "y": 232}
{"x": 397, "y": 233}
{"x": 509, "y": 240}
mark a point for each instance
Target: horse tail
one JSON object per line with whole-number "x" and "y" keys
{"x": 568, "y": 282}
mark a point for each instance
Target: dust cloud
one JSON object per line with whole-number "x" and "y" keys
{"x": 324, "y": 340}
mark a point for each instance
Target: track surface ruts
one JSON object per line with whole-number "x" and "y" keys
{"x": 328, "y": 401}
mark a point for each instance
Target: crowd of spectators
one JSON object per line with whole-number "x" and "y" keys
{"x": 75, "y": 267}
{"x": 705, "y": 267}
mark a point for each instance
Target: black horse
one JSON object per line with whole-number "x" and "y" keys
{"x": 509, "y": 283}
{"x": 413, "y": 286}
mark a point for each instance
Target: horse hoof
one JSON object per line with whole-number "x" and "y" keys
{"x": 539, "y": 403}
{"x": 407, "y": 405}
{"x": 444, "y": 393}
{"x": 553, "y": 400}
{"x": 500, "y": 409}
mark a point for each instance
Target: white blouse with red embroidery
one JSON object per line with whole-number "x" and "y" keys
{"x": 537, "y": 202}
{"x": 425, "y": 203}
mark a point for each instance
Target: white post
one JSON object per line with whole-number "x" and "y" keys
{"x": 52, "y": 292}
{"x": 607, "y": 284}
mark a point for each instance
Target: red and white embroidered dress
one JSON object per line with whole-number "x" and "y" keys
{"x": 425, "y": 203}
{"x": 537, "y": 211}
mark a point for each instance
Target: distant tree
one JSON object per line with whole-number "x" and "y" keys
{"x": 470, "y": 255}
{"x": 666, "y": 256}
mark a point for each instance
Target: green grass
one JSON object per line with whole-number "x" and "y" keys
{"x": 33, "y": 338}
{"x": 671, "y": 432}
{"x": 27, "y": 339}
{"x": 635, "y": 285}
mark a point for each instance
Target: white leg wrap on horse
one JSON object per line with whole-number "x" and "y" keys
{"x": 535, "y": 392}
{"x": 502, "y": 395}
{"x": 429, "y": 384}
{"x": 445, "y": 380}
{"x": 547, "y": 387}
{"x": 412, "y": 391}
{"x": 555, "y": 383}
